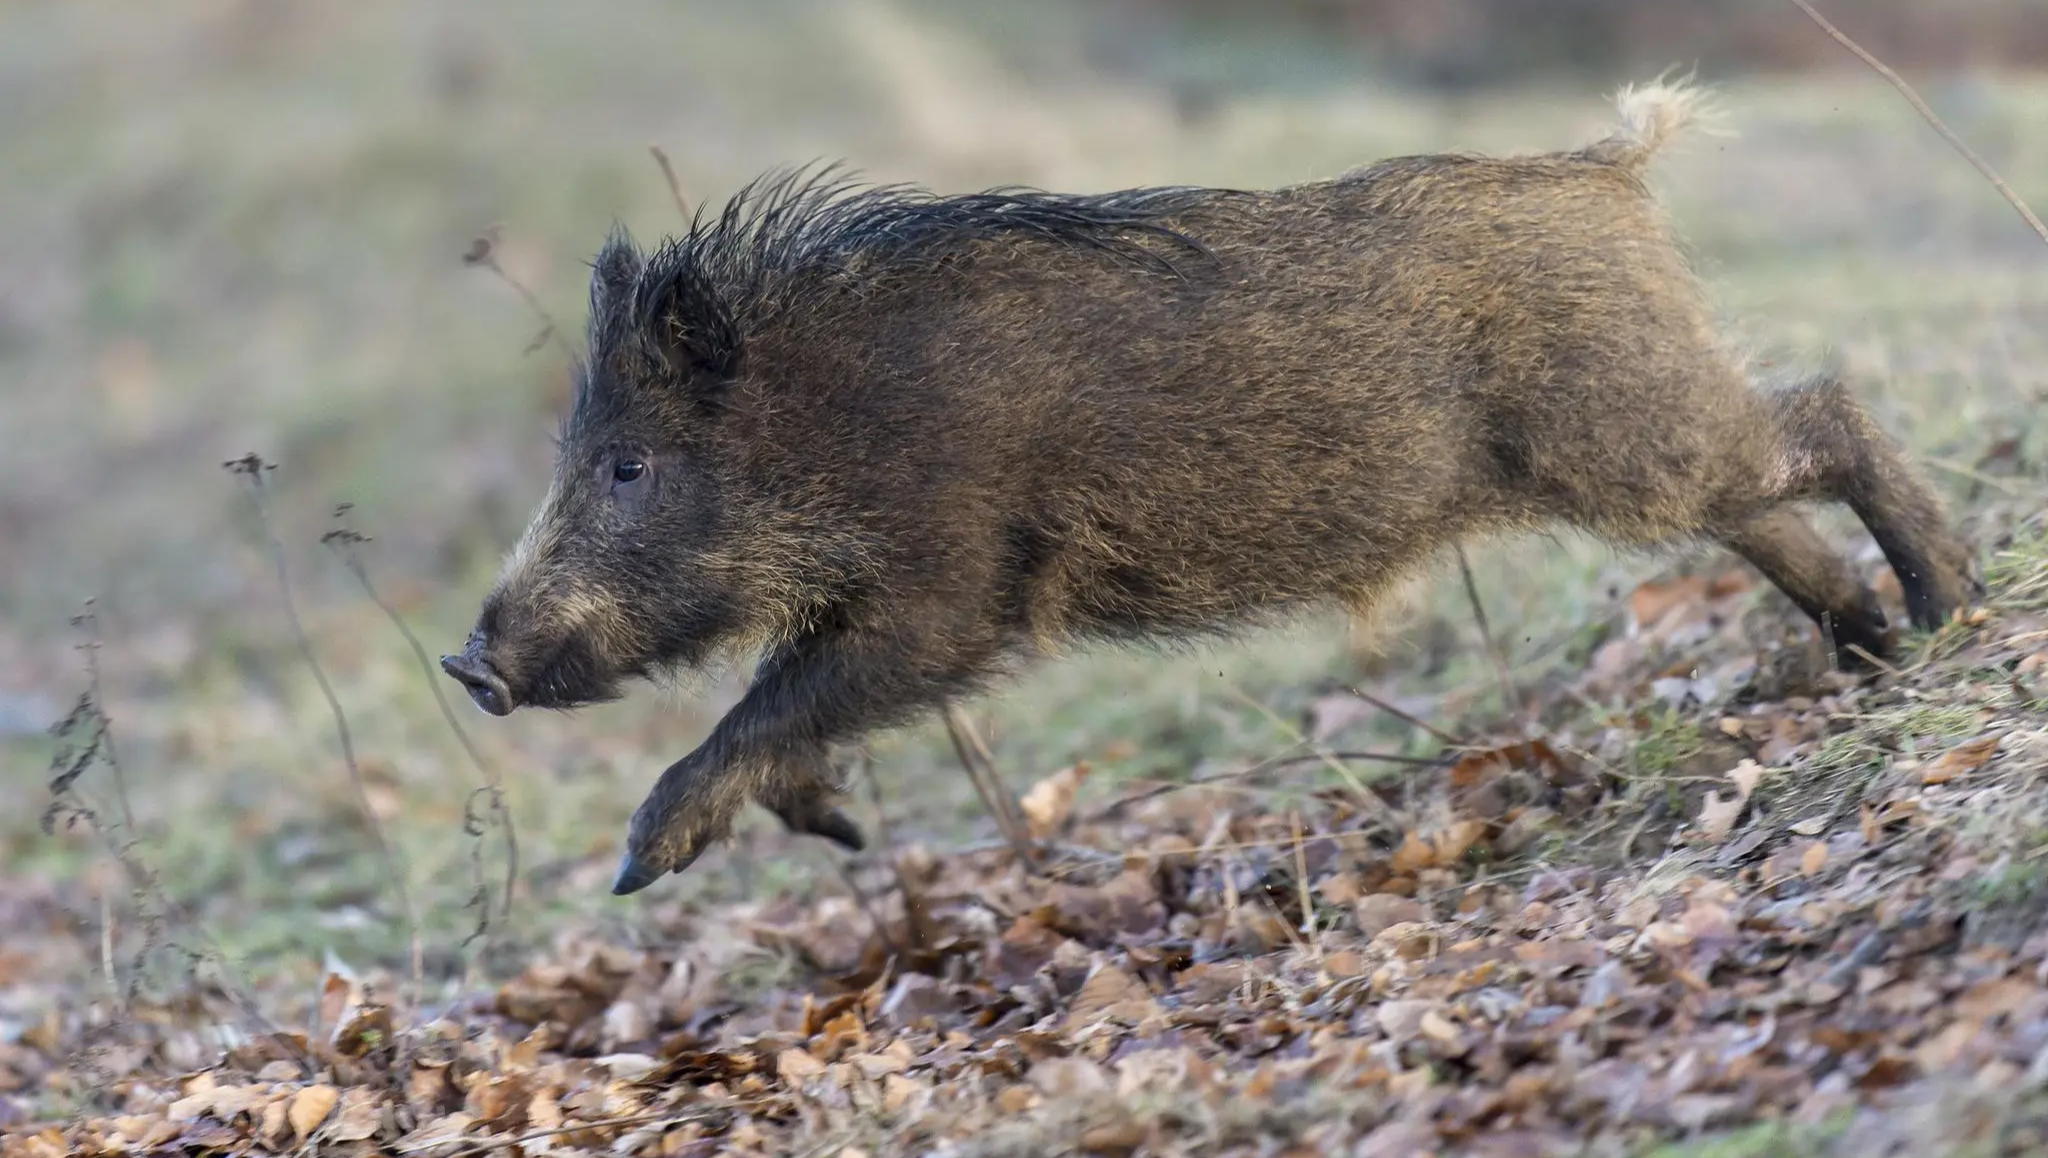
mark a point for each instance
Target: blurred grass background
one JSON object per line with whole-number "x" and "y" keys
{"x": 235, "y": 225}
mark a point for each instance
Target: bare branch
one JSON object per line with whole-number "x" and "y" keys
{"x": 995, "y": 796}
{"x": 1407, "y": 717}
{"x": 1927, "y": 114}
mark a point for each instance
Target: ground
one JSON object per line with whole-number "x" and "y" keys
{"x": 1689, "y": 893}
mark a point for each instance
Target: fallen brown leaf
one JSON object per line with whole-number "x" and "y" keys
{"x": 1110, "y": 992}
{"x": 1069, "y": 1077}
{"x": 796, "y": 1066}
{"x": 1450, "y": 845}
{"x": 1341, "y": 888}
{"x": 1745, "y": 777}
{"x": 271, "y": 1130}
{"x": 1814, "y": 859}
{"x": 310, "y": 1107}
{"x": 1960, "y": 760}
{"x": 359, "y": 1117}
{"x": 1718, "y": 814}
{"x": 1415, "y": 853}
{"x": 1113, "y": 1140}
{"x": 1051, "y": 801}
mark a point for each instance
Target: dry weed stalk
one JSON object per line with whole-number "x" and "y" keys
{"x": 675, "y": 187}
{"x": 1927, "y": 114}
{"x": 980, "y": 764}
{"x": 253, "y": 468}
{"x": 1408, "y": 718}
{"x": 1509, "y": 700}
{"x": 343, "y": 541}
{"x": 1301, "y": 739}
{"x": 85, "y": 737}
{"x": 483, "y": 252}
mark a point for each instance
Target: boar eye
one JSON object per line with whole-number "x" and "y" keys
{"x": 628, "y": 469}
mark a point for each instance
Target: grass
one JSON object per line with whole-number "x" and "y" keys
{"x": 242, "y": 231}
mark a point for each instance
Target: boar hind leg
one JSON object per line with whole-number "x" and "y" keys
{"x": 1791, "y": 554}
{"x": 1830, "y": 449}
{"x": 803, "y": 796}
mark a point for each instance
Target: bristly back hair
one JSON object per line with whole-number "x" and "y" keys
{"x": 785, "y": 233}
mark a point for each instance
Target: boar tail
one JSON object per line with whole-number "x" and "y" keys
{"x": 1652, "y": 115}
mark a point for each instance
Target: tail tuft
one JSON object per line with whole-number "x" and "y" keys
{"x": 1652, "y": 116}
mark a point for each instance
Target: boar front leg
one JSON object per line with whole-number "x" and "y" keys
{"x": 825, "y": 688}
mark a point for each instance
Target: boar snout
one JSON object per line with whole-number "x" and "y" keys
{"x": 480, "y": 680}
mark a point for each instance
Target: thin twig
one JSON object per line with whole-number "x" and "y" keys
{"x": 2006, "y": 486}
{"x": 1226, "y": 780}
{"x": 114, "y": 988}
{"x": 1308, "y": 906}
{"x": 1406, "y": 717}
{"x": 1315, "y": 756}
{"x": 1349, "y": 777}
{"x": 252, "y": 467}
{"x": 1927, "y": 114}
{"x": 1875, "y": 661}
{"x": 675, "y": 187}
{"x": 483, "y": 251}
{"x": 914, "y": 908}
{"x": 343, "y": 541}
{"x": 1635, "y": 832}
{"x": 1510, "y": 702}
{"x": 995, "y": 796}
{"x": 1324, "y": 757}
{"x": 974, "y": 776}
{"x": 981, "y": 748}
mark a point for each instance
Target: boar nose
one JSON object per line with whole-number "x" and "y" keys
{"x": 483, "y": 683}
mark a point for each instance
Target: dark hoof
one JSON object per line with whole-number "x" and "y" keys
{"x": 1864, "y": 631}
{"x": 838, "y": 828}
{"x": 635, "y": 874}
{"x": 814, "y": 817}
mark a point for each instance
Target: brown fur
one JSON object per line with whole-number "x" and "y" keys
{"x": 902, "y": 443}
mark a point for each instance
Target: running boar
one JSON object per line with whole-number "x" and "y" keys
{"x": 894, "y": 444}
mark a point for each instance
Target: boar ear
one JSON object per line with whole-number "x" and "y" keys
{"x": 684, "y": 319}
{"x": 615, "y": 273}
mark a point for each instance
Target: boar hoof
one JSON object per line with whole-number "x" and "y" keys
{"x": 838, "y": 828}
{"x": 1866, "y": 631}
{"x": 635, "y": 874}
{"x": 815, "y": 817}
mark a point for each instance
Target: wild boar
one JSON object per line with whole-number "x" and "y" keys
{"x": 895, "y": 444}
